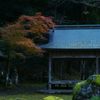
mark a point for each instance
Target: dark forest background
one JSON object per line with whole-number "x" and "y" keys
{"x": 35, "y": 68}
{"x": 63, "y": 11}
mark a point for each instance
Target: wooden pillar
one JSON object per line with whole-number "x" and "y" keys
{"x": 97, "y": 67}
{"x": 83, "y": 69}
{"x": 49, "y": 84}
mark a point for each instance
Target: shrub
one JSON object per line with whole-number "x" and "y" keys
{"x": 52, "y": 98}
{"x": 95, "y": 98}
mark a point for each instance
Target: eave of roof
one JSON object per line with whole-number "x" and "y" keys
{"x": 2, "y": 55}
{"x": 74, "y": 37}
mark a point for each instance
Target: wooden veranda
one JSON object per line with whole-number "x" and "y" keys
{"x": 73, "y": 42}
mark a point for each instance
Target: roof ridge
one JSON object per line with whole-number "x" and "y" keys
{"x": 78, "y": 26}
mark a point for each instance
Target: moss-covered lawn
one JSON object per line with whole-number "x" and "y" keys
{"x": 34, "y": 96}
{"x": 31, "y": 96}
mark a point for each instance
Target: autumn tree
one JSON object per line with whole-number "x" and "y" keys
{"x": 20, "y": 35}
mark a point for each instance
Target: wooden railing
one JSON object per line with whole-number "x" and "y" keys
{"x": 52, "y": 84}
{"x": 65, "y": 81}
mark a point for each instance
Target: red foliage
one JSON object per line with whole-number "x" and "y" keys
{"x": 15, "y": 34}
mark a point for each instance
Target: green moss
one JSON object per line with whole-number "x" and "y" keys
{"x": 52, "y": 98}
{"x": 97, "y": 79}
{"x": 92, "y": 79}
{"x": 77, "y": 86}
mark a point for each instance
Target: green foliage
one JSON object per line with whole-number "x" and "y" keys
{"x": 95, "y": 98}
{"x": 52, "y": 98}
{"x": 91, "y": 3}
{"x": 10, "y": 10}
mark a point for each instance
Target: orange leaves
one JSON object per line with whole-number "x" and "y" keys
{"x": 26, "y": 43}
{"x": 20, "y": 55}
{"x": 30, "y": 47}
{"x": 37, "y": 23}
{"x": 16, "y": 34}
{"x": 38, "y": 14}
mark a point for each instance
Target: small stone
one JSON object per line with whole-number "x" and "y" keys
{"x": 18, "y": 99}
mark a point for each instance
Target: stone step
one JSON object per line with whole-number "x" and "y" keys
{"x": 55, "y": 91}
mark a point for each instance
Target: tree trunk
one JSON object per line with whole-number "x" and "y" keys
{"x": 8, "y": 69}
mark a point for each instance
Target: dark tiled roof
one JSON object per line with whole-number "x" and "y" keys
{"x": 74, "y": 37}
{"x": 2, "y": 55}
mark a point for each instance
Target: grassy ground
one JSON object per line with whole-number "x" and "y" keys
{"x": 34, "y": 96}
{"x": 34, "y": 84}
